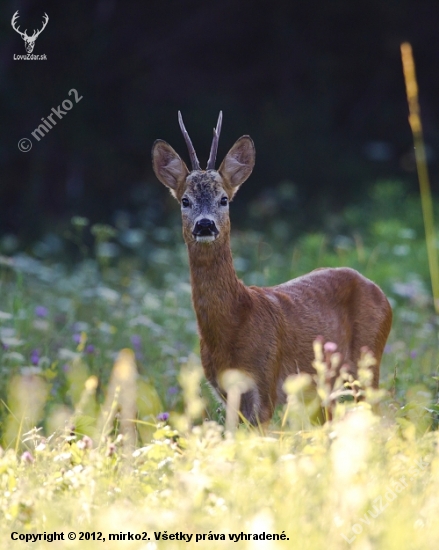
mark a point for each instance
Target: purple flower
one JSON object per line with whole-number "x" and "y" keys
{"x": 90, "y": 348}
{"x": 330, "y": 347}
{"x": 163, "y": 416}
{"x": 85, "y": 443}
{"x": 136, "y": 340}
{"x": 77, "y": 338}
{"x": 413, "y": 354}
{"x": 172, "y": 390}
{"x": 34, "y": 356}
{"x": 41, "y": 311}
{"x": 66, "y": 367}
{"x": 27, "y": 457}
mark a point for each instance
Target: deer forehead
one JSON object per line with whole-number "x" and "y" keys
{"x": 204, "y": 186}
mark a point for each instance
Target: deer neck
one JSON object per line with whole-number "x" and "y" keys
{"x": 217, "y": 293}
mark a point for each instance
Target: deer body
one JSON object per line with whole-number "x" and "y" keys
{"x": 266, "y": 332}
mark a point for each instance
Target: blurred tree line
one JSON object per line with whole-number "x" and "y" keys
{"x": 317, "y": 84}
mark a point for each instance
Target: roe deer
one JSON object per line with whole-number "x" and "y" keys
{"x": 266, "y": 332}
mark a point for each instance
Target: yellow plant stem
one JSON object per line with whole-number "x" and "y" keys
{"x": 421, "y": 164}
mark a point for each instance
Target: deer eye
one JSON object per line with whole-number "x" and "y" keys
{"x": 185, "y": 202}
{"x": 224, "y": 201}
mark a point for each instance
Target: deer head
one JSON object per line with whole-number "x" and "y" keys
{"x": 29, "y": 41}
{"x": 204, "y": 195}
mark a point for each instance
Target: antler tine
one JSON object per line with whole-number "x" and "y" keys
{"x": 192, "y": 153}
{"x": 214, "y": 148}
{"x": 13, "y": 22}
{"x": 45, "y": 21}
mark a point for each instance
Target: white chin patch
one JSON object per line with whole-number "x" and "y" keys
{"x": 208, "y": 239}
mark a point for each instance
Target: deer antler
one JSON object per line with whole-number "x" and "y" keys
{"x": 14, "y": 18}
{"x": 24, "y": 34}
{"x": 192, "y": 153}
{"x": 45, "y": 20}
{"x": 214, "y": 148}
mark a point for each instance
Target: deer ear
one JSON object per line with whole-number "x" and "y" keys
{"x": 168, "y": 166}
{"x": 239, "y": 161}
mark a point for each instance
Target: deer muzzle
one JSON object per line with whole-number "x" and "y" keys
{"x": 205, "y": 230}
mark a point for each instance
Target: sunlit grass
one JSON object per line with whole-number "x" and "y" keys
{"x": 357, "y": 482}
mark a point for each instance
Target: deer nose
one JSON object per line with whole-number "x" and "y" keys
{"x": 205, "y": 228}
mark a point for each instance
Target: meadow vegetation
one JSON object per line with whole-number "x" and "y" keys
{"x": 107, "y": 426}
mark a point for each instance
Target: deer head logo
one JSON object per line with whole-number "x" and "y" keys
{"x": 29, "y": 41}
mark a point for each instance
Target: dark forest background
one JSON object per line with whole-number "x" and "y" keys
{"x": 317, "y": 84}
